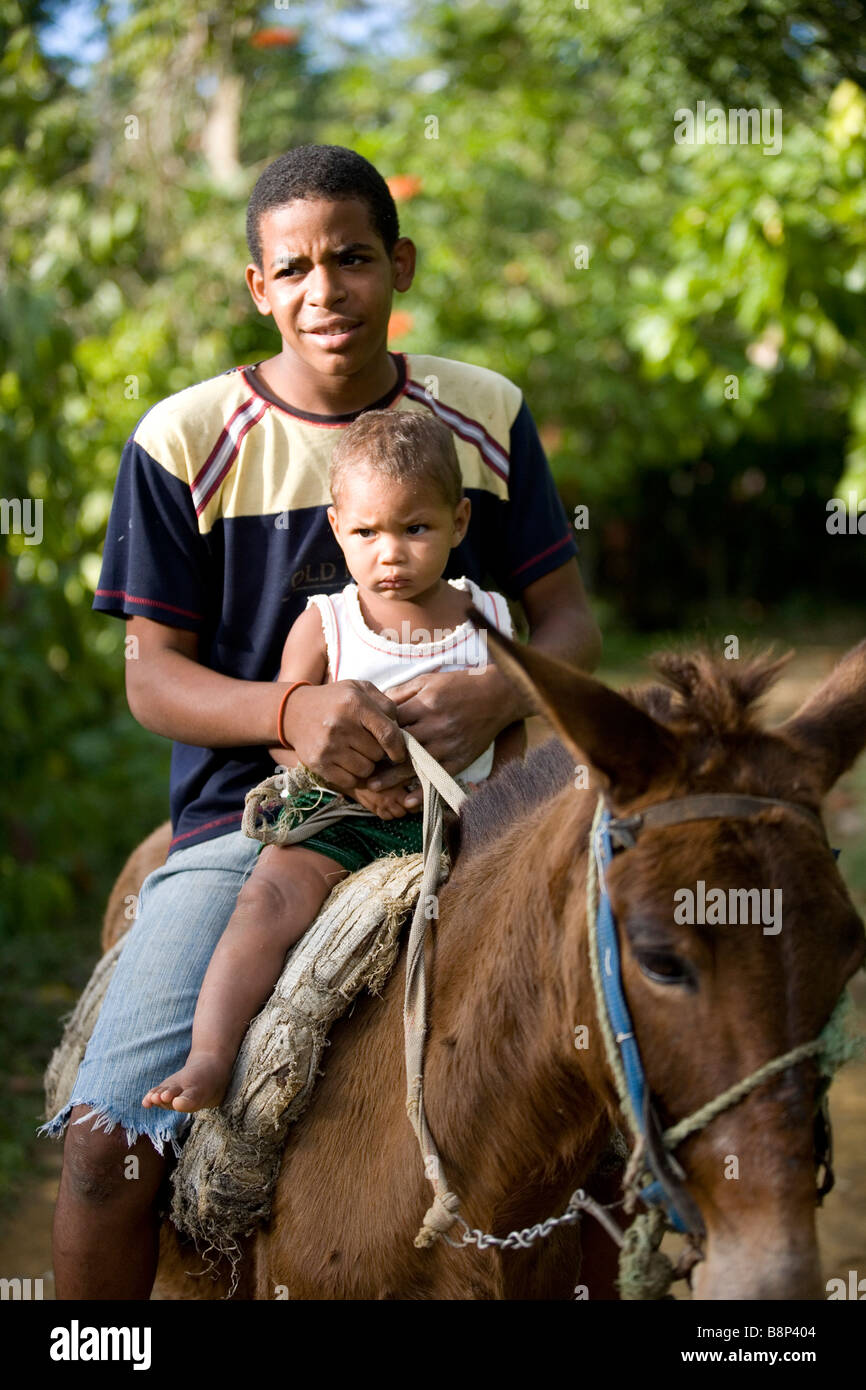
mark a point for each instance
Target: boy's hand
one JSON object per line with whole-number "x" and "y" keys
{"x": 454, "y": 714}
{"x": 341, "y": 731}
{"x": 387, "y": 805}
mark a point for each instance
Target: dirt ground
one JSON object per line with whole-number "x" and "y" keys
{"x": 25, "y": 1239}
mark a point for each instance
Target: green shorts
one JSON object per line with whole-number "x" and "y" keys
{"x": 357, "y": 840}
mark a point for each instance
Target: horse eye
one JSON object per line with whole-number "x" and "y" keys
{"x": 664, "y": 968}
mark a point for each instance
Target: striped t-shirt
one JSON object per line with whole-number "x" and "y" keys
{"x": 219, "y": 526}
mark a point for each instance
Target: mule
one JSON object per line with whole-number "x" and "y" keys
{"x": 522, "y": 1116}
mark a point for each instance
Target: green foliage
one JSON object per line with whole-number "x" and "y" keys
{"x": 704, "y": 261}
{"x": 687, "y": 320}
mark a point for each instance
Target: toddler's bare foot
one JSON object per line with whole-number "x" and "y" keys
{"x": 200, "y": 1084}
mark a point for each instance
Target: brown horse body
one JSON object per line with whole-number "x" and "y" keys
{"x": 520, "y": 1114}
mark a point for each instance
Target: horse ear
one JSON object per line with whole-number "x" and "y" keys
{"x": 831, "y": 725}
{"x": 627, "y": 746}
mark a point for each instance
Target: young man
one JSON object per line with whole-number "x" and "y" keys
{"x": 218, "y": 534}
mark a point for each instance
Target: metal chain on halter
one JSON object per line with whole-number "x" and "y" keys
{"x": 578, "y": 1202}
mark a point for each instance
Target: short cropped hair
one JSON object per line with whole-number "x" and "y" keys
{"x": 408, "y": 446}
{"x": 321, "y": 171}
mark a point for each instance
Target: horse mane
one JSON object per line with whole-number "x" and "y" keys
{"x": 516, "y": 790}
{"x": 703, "y": 695}
{"x": 708, "y": 694}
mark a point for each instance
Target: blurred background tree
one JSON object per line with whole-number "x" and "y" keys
{"x": 687, "y": 322}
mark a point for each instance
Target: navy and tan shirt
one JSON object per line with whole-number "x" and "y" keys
{"x": 219, "y": 526}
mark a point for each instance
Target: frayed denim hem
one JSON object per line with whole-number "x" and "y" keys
{"x": 102, "y": 1119}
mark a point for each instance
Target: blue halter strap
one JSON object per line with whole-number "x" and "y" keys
{"x": 607, "y": 944}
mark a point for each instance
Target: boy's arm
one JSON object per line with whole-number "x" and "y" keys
{"x": 305, "y": 658}
{"x": 340, "y": 731}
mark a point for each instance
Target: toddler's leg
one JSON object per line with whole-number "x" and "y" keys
{"x": 275, "y": 907}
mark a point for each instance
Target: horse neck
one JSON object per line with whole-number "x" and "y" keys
{"x": 511, "y": 1101}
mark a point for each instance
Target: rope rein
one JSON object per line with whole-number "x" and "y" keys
{"x": 435, "y": 784}
{"x": 445, "y": 1210}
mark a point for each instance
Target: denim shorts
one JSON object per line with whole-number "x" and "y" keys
{"x": 144, "y": 1029}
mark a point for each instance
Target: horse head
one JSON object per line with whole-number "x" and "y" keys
{"x": 736, "y": 933}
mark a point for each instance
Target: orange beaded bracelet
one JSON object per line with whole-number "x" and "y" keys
{"x": 280, "y": 735}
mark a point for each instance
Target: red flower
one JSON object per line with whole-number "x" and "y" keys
{"x": 275, "y": 38}
{"x": 403, "y": 186}
{"x": 399, "y": 324}
{"x": 550, "y": 435}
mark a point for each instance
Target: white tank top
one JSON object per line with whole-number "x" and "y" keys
{"x": 355, "y": 652}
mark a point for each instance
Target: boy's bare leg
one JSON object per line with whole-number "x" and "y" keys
{"x": 106, "y": 1229}
{"x": 276, "y": 905}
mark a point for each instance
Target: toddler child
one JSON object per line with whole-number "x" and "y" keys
{"x": 398, "y": 511}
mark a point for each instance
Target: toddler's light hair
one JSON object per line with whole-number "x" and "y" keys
{"x": 408, "y": 446}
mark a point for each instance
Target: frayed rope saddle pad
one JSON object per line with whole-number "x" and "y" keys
{"x": 229, "y": 1163}
{"x": 224, "y": 1180}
